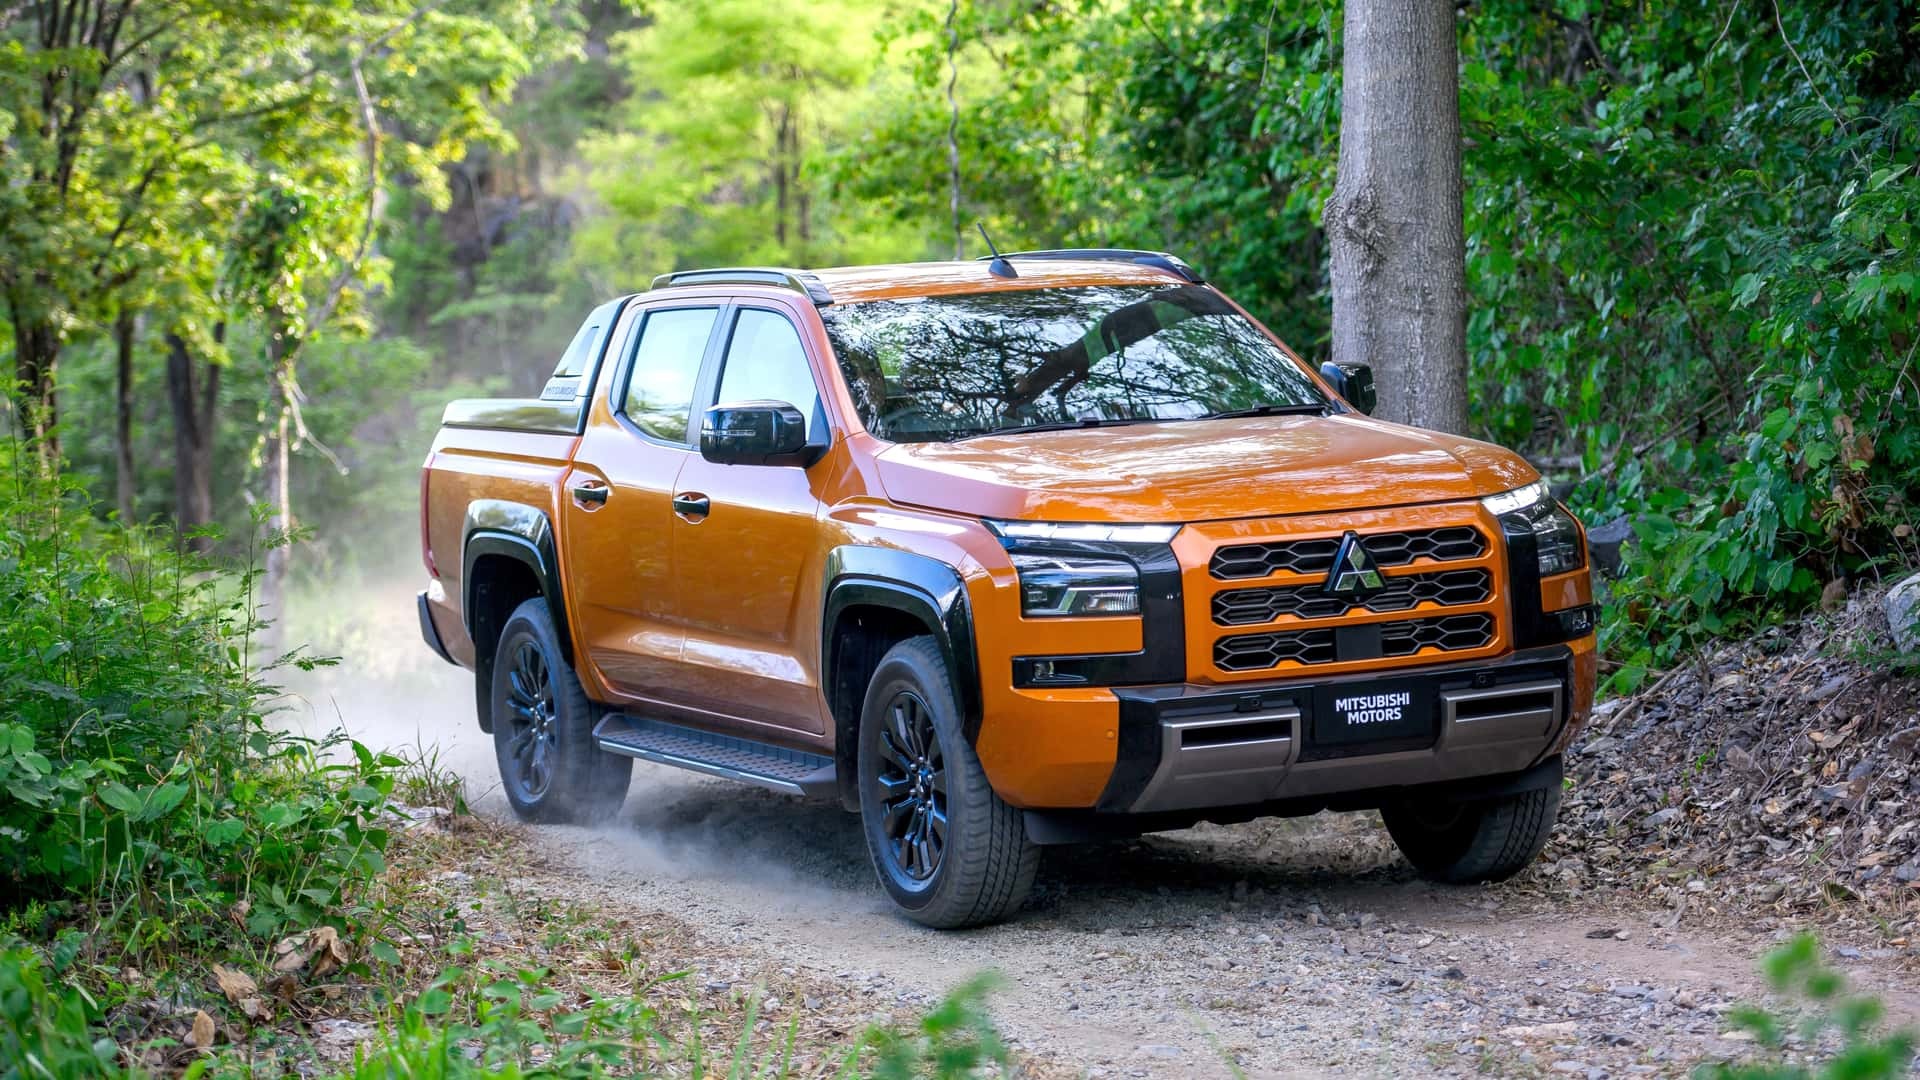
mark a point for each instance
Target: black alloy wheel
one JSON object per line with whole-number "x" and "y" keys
{"x": 531, "y": 710}
{"x": 550, "y": 767}
{"x": 947, "y": 850}
{"x": 913, "y": 785}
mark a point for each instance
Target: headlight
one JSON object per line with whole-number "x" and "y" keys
{"x": 1556, "y": 536}
{"x": 1053, "y": 585}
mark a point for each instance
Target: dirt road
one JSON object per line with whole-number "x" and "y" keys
{"x": 1283, "y": 948}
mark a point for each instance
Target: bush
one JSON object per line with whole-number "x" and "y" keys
{"x": 1864, "y": 1053}
{"x": 142, "y": 790}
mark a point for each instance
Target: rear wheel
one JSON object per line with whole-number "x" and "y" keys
{"x": 948, "y": 851}
{"x": 550, "y": 768}
{"x": 1463, "y": 842}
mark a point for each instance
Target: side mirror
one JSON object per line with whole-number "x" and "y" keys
{"x": 1353, "y": 382}
{"x": 756, "y": 433}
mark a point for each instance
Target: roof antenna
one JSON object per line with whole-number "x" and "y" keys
{"x": 999, "y": 267}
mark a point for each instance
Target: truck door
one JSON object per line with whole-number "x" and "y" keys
{"x": 742, "y": 536}
{"x": 617, "y": 500}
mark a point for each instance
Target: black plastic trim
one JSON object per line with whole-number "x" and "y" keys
{"x": 522, "y": 533}
{"x": 1533, "y": 626}
{"x": 1142, "y": 707}
{"x": 429, "y": 631}
{"x": 1163, "y": 625}
{"x": 925, "y": 589}
{"x": 1048, "y": 827}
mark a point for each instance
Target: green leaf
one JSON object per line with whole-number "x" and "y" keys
{"x": 120, "y": 797}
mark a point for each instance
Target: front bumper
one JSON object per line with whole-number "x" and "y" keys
{"x": 1187, "y": 747}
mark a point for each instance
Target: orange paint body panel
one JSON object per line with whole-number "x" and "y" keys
{"x": 717, "y": 619}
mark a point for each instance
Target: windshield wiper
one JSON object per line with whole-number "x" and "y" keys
{"x": 1065, "y": 425}
{"x": 1300, "y": 408}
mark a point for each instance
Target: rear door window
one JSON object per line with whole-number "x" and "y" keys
{"x": 666, "y": 370}
{"x": 766, "y": 362}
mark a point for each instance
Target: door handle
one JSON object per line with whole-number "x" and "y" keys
{"x": 690, "y": 505}
{"x": 591, "y": 491}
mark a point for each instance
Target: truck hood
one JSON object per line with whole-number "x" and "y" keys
{"x": 1187, "y": 471}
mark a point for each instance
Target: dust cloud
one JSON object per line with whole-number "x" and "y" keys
{"x": 389, "y": 692}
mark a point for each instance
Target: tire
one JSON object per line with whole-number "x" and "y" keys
{"x": 917, "y": 769}
{"x": 559, "y": 776}
{"x": 1464, "y": 842}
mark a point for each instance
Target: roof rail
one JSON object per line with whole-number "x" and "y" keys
{"x": 797, "y": 280}
{"x": 1158, "y": 259}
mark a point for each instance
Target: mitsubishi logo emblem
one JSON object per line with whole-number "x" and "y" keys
{"x": 1353, "y": 575}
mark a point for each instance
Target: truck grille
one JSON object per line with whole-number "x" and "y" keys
{"x": 1260, "y": 586}
{"x": 1448, "y": 588}
{"x": 1315, "y": 556}
{"x": 1257, "y": 652}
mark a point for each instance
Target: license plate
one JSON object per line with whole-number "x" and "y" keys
{"x": 1363, "y": 712}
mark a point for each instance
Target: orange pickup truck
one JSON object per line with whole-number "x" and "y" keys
{"x": 1001, "y": 554}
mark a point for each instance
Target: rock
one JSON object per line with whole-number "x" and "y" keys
{"x": 1834, "y": 596}
{"x": 1453, "y": 973}
{"x": 1217, "y": 963}
{"x": 1158, "y": 1050}
{"x": 1663, "y": 817}
{"x": 1829, "y": 688}
{"x": 1903, "y": 614}
{"x": 1570, "y": 1067}
{"x": 1630, "y": 991}
{"x": 1604, "y": 542}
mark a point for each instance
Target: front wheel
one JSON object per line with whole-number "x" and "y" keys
{"x": 550, "y": 768}
{"x": 1464, "y": 842}
{"x": 948, "y": 851}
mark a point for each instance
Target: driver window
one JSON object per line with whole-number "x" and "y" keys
{"x": 765, "y": 361}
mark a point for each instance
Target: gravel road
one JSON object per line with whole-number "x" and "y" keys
{"x": 1284, "y": 948}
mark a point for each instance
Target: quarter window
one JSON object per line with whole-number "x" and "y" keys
{"x": 766, "y": 362}
{"x": 666, "y": 367}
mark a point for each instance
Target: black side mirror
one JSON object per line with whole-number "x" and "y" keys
{"x": 1353, "y": 382}
{"x": 757, "y": 433}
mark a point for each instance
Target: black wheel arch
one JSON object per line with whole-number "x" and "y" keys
{"x": 499, "y": 534}
{"x": 875, "y": 597}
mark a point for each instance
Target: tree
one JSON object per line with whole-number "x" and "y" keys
{"x": 1394, "y": 223}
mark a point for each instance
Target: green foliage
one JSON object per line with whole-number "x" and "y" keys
{"x": 141, "y": 788}
{"x": 1864, "y": 1051}
{"x": 497, "y": 1020}
{"x": 46, "y": 1030}
{"x": 1689, "y": 240}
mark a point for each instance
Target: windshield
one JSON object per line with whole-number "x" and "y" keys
{"x": 938, "y": 368}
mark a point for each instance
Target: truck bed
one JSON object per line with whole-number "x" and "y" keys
{"x": 493, "y": 458}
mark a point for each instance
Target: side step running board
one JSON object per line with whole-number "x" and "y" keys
{"x": 795, "y": 772}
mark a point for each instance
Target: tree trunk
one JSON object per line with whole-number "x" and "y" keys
{"x": 194, "y": 412}
{"x": 36, "y": 352}
{"x": 277, "y": 491}
{"x": 780, "y": 178}
{"x": 1394, "y": 223}
{"x": 123, "y": 414}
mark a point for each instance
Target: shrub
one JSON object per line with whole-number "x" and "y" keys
{"x": 1865, "y": 1052}
{"x": 142, "y": 789}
